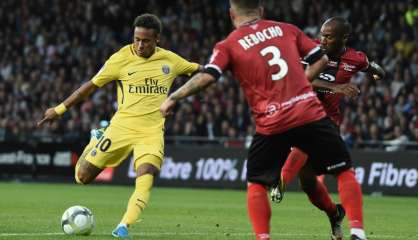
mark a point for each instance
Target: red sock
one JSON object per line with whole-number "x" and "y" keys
{"x": 351, "y": 198}
{"x": 321, "y": 199}
{"x": 259, "y": 210}
{"x": 295, "y": 161}
{"x": 321, "y": 178}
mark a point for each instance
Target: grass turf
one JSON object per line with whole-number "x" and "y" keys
{"x": 33, "y": 211}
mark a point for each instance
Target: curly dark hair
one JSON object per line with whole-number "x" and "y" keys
{"x": 149, "y": 21}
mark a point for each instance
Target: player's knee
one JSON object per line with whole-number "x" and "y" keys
{"x": 78, "y": 179}
{"x": 85, "y": 172}
{"x": 147, "y": 168}
{"x": 82, "y": 177}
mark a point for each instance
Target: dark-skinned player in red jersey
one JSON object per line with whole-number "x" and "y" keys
{"x": 264, "y": 57}
{"x": 332, "y": 84}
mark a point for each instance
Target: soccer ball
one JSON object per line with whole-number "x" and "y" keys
{"x": 77, "y": 220}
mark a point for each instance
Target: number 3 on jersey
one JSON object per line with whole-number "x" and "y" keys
{"x": 276, "y": 60}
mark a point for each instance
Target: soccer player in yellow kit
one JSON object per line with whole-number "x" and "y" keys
{"x": 143, "y": 73}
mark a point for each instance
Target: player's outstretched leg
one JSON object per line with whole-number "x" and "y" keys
{"x": 136, "y": 205}
{"x": 318, "y": 195}
{"x": 85, "y": 172}
{"x": 294, "y": 162}
{"x": 140, "y": 196}
{"x": 352, "y": 199}
{"x": 259, "y": 210}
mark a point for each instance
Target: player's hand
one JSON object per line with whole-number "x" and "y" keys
{"x": 166, "y": 108}
{"x": 49, "y": 116}
{"x": 348, "y": 89}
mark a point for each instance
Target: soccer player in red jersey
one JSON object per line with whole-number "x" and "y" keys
{"x": 332, "y": 84}
{"x": 264, "y": 56}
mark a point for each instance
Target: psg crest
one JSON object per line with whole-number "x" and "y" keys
{"x": 93, "y": 153}
{"x": 166, "y": 69}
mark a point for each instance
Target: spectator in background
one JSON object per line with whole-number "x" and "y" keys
{"x": 397, "y": 84}
{"x": 414, "y": 65}
{"x": 347, "y": 135}
{"x": 398, "y": 140}
{"x": 45, "y": 46}
{"x": 413, "y": 129}
{"x": 411, "y": 15}
{"x": 391, "y": 60}
{"x": 374, "y": 138}
{"x": 404, "y": 46}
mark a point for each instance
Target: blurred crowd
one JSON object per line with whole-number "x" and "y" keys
{"x": 48, "y": 48}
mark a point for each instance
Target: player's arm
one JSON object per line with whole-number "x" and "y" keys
{"x": 313, "y": 70}
{"x": 78, "y": 95}
{"x": 199, "y": 69}
{"x": 375, "y": 71}
{"x": 208, "y": 75}
{"x": 311, "y": 54}
{"x": 107, "y": 73}
{"x": 197, "y": 83}
{"x": 191, "y": 73}
{"x": 348, "y": 89}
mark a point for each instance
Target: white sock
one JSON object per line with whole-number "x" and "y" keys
{"x": 122, "y": 225}
{"x": 358, "y": 232}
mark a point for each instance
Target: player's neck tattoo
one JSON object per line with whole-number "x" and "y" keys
{"x": 249, "y": 22}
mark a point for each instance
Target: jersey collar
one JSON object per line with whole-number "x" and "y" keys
{"x": 157, "y": 49}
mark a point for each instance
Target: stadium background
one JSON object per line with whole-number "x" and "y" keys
{"x": 48, "y": 48}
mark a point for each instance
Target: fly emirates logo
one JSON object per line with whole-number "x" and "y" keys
{"x": 150, "y": 87}
{"x": 253, "y": 39}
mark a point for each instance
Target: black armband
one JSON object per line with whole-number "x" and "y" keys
{"x": 314, "y": 55}
{"x": 212, "y": 71}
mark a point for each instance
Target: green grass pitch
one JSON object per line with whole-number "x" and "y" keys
{"x": 33, "y": 211}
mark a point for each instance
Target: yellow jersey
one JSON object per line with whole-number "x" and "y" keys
{"x": 143, "y": 85}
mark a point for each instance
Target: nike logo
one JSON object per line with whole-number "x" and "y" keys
{"x": 130, "y": 73}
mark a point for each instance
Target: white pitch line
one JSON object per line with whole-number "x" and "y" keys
{"x": 297, "y": 235}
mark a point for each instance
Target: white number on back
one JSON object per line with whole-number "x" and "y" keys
{"x": 276, "y": 60}
{"x": 326, "y": 77}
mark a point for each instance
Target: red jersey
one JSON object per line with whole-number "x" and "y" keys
{"x": 264, "y": 56}
{"x": 339, "y": 71}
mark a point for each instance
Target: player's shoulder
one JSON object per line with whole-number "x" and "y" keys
{"x": 263, "y": 23}
{"x": 126, "y": 50}
{"x": 285, "y": 26}
{"x": 165, "y": 53}
{"x": 124, "y": 53}
{"x": 224, "y": 43}
{"x": 354, "y": 55}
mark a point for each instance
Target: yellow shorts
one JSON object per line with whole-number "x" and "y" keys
{"x": 116, "y": 145}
